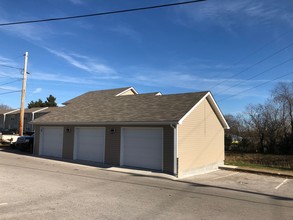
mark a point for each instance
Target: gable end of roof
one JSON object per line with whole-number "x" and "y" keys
{"x": 127, "y": 90}
{"x": 214, "y": 106}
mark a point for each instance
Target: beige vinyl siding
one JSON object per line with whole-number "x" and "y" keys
{"x": 200, "y": 140}
{"x": 129, "y": 92}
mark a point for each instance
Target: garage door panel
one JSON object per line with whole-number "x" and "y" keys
{"x": 51, "y": 141}
{"x": 142, "y": 147}
{"x": 90, "y": 144}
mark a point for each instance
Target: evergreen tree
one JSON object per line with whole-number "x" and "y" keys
{"x": 50, "y": 102}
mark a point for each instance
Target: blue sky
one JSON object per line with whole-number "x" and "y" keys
{"x": 209, "y": 45}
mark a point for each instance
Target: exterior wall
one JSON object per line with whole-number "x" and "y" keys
{"x": 112, "y": 144}
{"x": 27, "y": 119}
{"x": 37, "y": 140}
{"x": 129, "y": 92}
{"x": 168, "y": 153}
{"x": 12, "y": 121}
{"x": 2, "y": 125}
{"x": 200, "y": 141}
{"x": 113, "y": 140}
{"x": 68, "y": 142}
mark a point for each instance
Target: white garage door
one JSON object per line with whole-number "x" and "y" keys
{"x": 142, "y": 147}
{"x": 89, "y": 144}
{"x": 51, "y": 141}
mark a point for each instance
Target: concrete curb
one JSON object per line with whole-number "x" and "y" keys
{"x": 255, "y": 171}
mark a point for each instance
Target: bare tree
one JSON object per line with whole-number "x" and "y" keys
{"x": 5, "y": 107}
{"x": 256, "y": 124}
{"x": 283, "y": 95}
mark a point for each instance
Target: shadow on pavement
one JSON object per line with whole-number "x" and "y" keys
{"x": 103, "y": 167}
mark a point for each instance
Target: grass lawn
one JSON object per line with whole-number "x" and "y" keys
{"x": 260, "y": 161}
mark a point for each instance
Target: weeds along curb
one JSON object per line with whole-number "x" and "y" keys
{"x": 257, "y": 172}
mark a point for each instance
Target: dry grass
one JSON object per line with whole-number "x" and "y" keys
{"x": 282, "y": 162}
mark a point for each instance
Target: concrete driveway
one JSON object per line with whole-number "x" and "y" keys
{"x": 38, "y": 188}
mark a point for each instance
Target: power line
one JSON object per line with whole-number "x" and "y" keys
{"x": 6, "y": 76}
{"x": 256, "y": 75}
{"x": 101, "y": 13}
{"x": 269, "y": 81}
{"x": 253, "y": 52}
{"x": 12, "y": 67}
{"x": 258, "y": 62}
{"x": 10, "y": 82}
{"x": 10, "y": 92}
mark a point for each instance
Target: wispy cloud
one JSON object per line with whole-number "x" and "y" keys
{"x": 193, "y": 82}
{"x": 229, "y": 14}
{"x": 86, "y": 63}
{"x": 77, "y": 2}
{"x": 37, "y": 90}
{"x": 7, "y": 61}
{"x": 127, "y": 31}
{"x": 42, "y": 76}
{"x": 9, "y": 88}
{"x": 67, "y": 79}
{"x": 30, "y": 32}
{"x": 5, "y": 68}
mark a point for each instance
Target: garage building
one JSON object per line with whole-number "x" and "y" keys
{"x": 179, "y": 134}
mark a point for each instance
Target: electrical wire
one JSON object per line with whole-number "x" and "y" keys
{"x": 259, "y": 85}
{"x": 12, "y": 67}
{"x": 8, "y": 76}
{"x": 11, "y": 82}
{"x": 4, "y": 93}
{"x": 255, "y": 52}
{"x": 258, "y": 62}
{"x": 12, "y": 90}
{"x": 256, "y": 75}
{"x": 101, "y": 13}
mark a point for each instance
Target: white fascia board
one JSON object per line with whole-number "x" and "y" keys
{"x": 218, "y": 111}
{"x": 40, "y": 110}
{"x": 214, "y": 106}
{"x": 130, "y": 88}
{"x": 11, "y": 111}
{"x": 197, "y": 104}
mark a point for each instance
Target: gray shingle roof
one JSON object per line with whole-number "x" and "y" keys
{"x": 105, "y": 107}
{"x": 110, "y": 92}
{"x": 5, "y": 111}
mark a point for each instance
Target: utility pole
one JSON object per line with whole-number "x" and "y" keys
{"x": 21, "y": 117}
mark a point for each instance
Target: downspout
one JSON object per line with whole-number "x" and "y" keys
{"x": 175, "y": 161}
{"x": 33, "y": 118}
{"x": 4, "y": 118}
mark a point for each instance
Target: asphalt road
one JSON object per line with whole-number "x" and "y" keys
{"x": 38, "y": 188}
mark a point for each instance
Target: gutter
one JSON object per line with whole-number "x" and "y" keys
{"x": 103, "y": 123}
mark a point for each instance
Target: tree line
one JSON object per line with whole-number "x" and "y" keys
{"x": 265, "y": 128}
{"x": 49, "y": 102}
